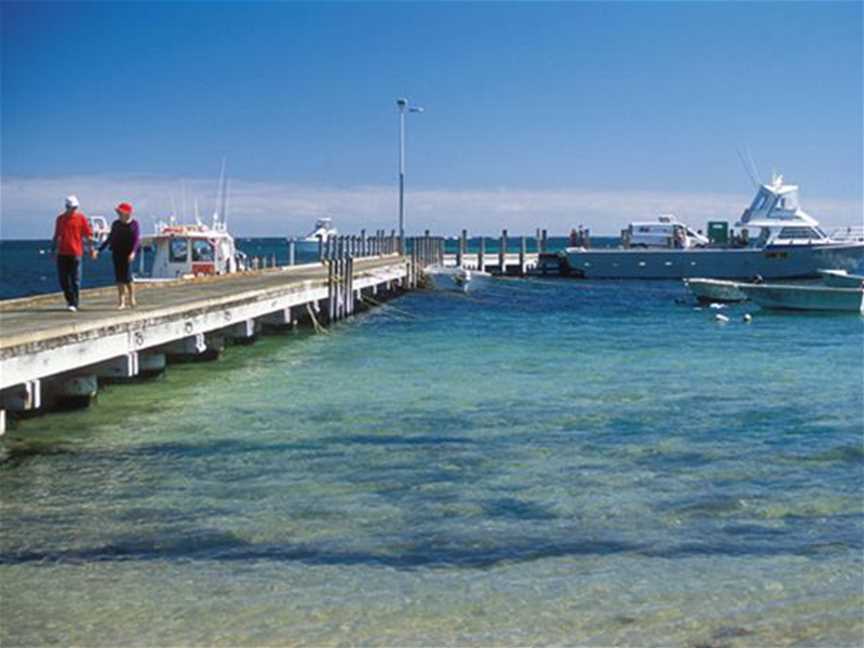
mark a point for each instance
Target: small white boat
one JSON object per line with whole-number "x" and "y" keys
{"x": 715, "y": 290}
{"x": 841, "y": 279}
{"x": 101, "y": 228}
{"x": 323, "y": 230}
{"x": 456, "y": 279}
{"x": 809, "y": 298}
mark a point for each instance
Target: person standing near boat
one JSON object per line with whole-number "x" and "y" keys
{"x": 71, "y": 231}
{"x": 124, "y": 240}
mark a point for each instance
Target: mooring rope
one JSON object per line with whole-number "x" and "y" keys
{"x": 318, "y": 328}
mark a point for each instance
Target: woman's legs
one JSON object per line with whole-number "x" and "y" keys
{"x": 130, "y": 291}
{"x": 123, "y": 278}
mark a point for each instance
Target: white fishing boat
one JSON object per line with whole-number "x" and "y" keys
{"x": 715, "y": 290}
{"x": 805, "y": 297}
{"x": 841, "y": 279}
{"x": 183, "y": 251}
{"x": 456, "y": 279}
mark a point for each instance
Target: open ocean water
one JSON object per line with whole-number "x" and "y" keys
{"x": 546, "y": 462}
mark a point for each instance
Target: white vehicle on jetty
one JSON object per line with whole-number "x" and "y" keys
{"x": 667, "y": 231}
{"x": 788, "y": 244}
{"x": 185, "y": 251}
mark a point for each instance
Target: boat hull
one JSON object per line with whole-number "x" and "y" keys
{"x": 808, "y": 298}
{"x": 713, "y": 263}
{"x": 715, "y": 290}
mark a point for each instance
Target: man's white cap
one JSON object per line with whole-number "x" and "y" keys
{"x": 72, "y": 201}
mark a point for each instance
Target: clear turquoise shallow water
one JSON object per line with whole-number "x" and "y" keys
{"x": 548, "y": 462}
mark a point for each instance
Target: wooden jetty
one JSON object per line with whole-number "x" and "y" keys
{"x": 501, "y": 259}
{"x": 51, "y": 357}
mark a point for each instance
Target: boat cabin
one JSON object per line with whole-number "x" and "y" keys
{"x": 182, "y": 251}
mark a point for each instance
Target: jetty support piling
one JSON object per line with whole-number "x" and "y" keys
{"x": 502, "y": 254}
{"x": 119, "y": 369}
{"x": 71, "y": 391}
{"x": 185, "y": 349}
{"x": 241, "y": 332}
{"x": 22, "y": 398}
{"x": 151, "y": 364}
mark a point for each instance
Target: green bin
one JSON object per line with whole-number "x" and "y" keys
{"x": 718, "y": 232}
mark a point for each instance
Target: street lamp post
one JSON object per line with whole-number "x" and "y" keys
{"x": 403, "y": 106}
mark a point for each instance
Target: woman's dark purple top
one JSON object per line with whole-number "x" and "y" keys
{"x": 124, "y": 237}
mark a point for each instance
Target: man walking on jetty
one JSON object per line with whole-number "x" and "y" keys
{"x": 71, "y": 230}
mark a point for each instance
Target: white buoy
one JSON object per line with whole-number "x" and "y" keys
{"x": 747, "y": 318}
{"x": 720, "y": 319}
{"x": 717, "y": 306}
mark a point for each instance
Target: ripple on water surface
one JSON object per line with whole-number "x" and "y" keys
{"x": 546, "y": 462}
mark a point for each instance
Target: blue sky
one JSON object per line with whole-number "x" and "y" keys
{"x": 537, "y": 114}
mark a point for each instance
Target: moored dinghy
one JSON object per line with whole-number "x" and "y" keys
{"x": 715, "y": 290}
{"x": 809, "y": 298}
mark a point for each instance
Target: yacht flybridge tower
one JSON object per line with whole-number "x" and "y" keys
{"x": 775, "y": 202}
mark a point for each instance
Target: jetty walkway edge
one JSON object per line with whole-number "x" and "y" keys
{"x": 50, "y": 355}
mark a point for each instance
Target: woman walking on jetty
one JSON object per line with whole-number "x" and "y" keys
{"x": 124, "y": 240}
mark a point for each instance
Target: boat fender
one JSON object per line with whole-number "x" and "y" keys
{"x": 747, "y": 318}
{"x": 720, "y": 319}
{"x": 716, "y": 305}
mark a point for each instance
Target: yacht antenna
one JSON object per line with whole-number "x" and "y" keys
{"x": 747, "y": 170}
{"x": 222, "y": 197}
{"x": 753, "y": 165}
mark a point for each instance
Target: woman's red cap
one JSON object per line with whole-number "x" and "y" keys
{"x": 124, "y": 207}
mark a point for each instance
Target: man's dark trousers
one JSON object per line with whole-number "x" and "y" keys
{"x": 69, "y": 271}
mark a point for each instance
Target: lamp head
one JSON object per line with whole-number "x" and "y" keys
{"x": 401, "y": 103}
